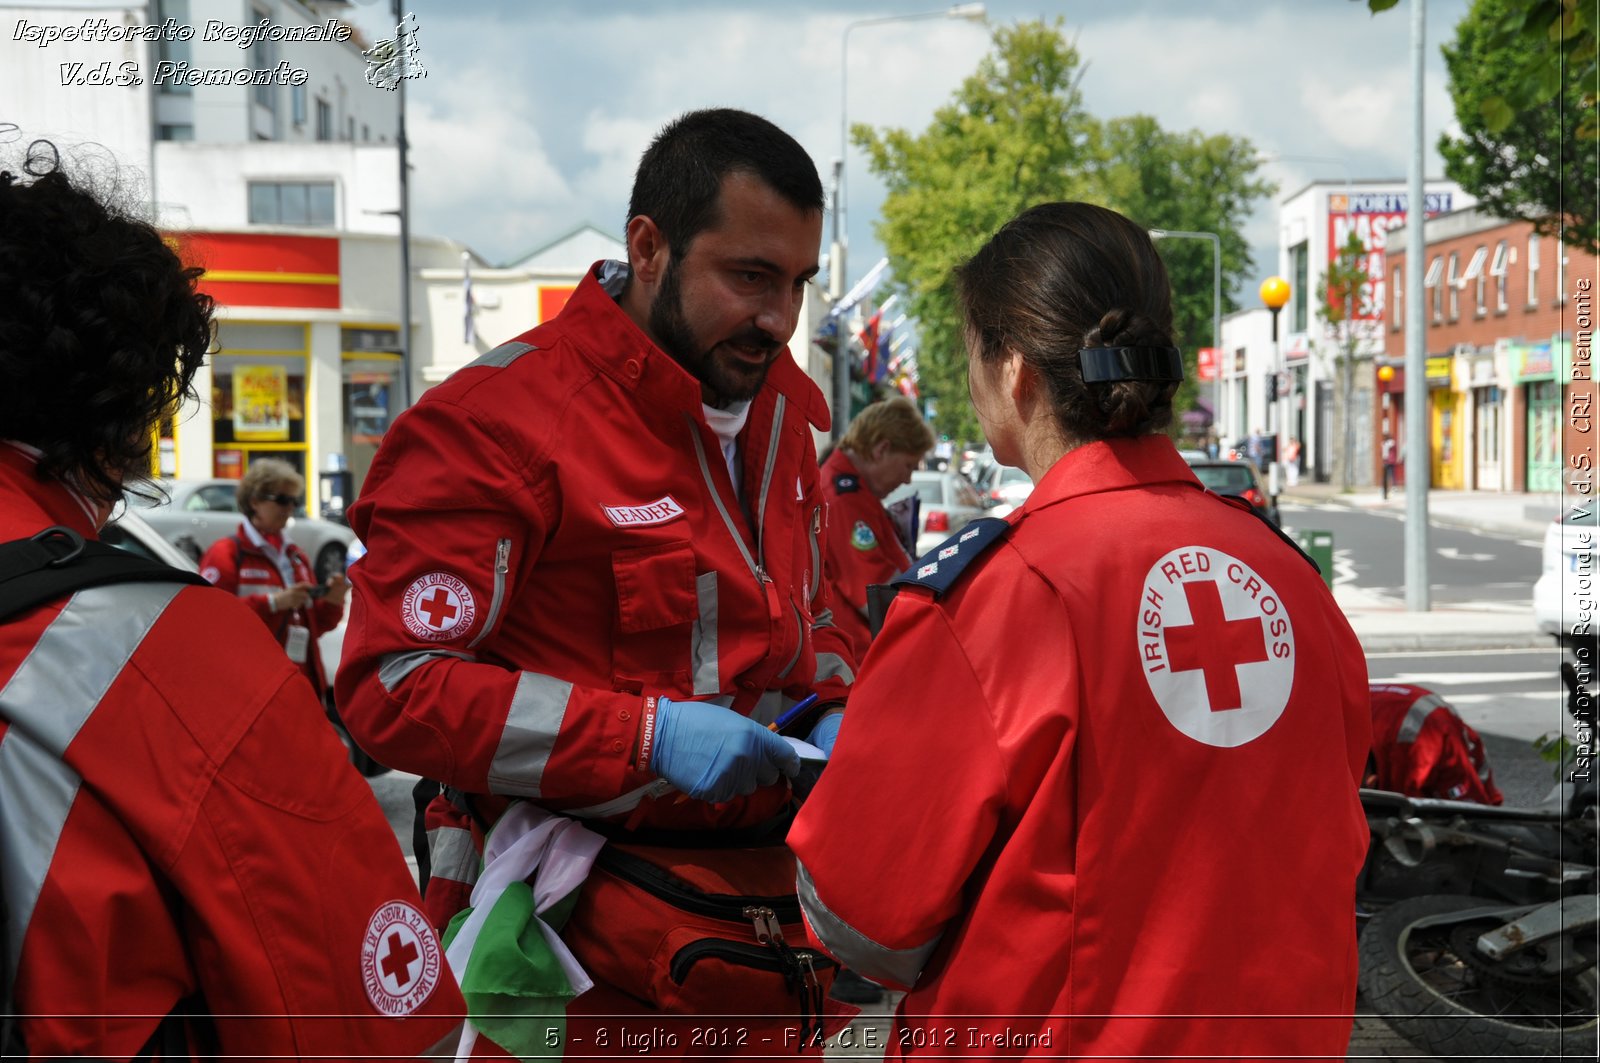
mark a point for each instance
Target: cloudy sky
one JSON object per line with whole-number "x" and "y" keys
{"x": 533, "y": 113}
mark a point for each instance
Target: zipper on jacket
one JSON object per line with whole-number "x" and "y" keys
{"x": 502, "y": 565}
{"x": 766, "y": 481}
{"x": 757, "y": 956}
{"x": 816, "y": 552}
{"x": 729, "y": 907}
{"x": 799, "y": 640}
{"x": 722, "y": 508}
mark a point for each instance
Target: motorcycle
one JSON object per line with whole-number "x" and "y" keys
{"x": 1481, "y": 921}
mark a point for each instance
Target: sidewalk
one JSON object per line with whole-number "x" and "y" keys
{"x": 1386, "y": 626}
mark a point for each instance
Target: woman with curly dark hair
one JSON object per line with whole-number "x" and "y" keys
{"x": 1103, "y": 756}
{"x": 160, "y": 853}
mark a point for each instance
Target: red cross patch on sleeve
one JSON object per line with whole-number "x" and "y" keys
{"x": 438, "y": 607}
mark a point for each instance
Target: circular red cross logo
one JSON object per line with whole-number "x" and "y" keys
{"x": 401, "y": 961}
{"x": 438, "y": 606}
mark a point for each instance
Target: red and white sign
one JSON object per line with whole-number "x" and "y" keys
{"x": 1216, "y": 646}
{"x": 660, "y": 511}
{"x": 438, "y": 606}
{"x": 401, "y": 962}
{"x": 1206, "y": 363}
{"x": 1370, "y": 215}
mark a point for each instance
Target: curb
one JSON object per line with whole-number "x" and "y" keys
{"x": 1526, "y": 529}
{"x": 1424, "y": 642}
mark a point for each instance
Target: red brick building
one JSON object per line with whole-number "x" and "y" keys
{"x": 1509, "y": 322}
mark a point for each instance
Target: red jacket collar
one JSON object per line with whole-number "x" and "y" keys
{"x": 1111, "y": 465}
{"x": 52, "y": 502}
{"x": 616, "y": 346}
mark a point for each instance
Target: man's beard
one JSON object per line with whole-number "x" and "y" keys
{"x": 728, "y": 378}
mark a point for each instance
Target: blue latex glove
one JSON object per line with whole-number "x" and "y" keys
{"x": 714, "y": 754}
{"x": 826, "y": 732}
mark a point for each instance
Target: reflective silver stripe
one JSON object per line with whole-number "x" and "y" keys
{"x": 537, "y": 709}
{"x": 451, "y": 855}
{"x": 766, "y": 479}
{"x": 822, "y": 619}
{"x": 48, "y": 700}
{"x": 394, "y": 667}
{"x": 832, "y": 666}
{"x": 854, "y": 949}
{"x": 1416, "y": 716}
{"x": 502, "y": 355}
{"x": 703, "y": 647}
{"x": 246, "y": 590}
{"x": 771, "y": 705}
{"x": 716, "y": 496}
{"x": 502, "y": 565}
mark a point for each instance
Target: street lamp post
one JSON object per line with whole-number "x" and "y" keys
{"x": 1275, "y": 293}
{"x": 1216, "y": 315}
{"x": 838, "y": 253}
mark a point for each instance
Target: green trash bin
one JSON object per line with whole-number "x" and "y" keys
{"x": 1319, "y": 545}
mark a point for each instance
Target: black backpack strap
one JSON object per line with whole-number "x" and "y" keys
{"x": 58, "y": 561}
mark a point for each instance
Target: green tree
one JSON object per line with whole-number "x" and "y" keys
{"x": 1536, "y": 168}
{"x": 1337, "y": 294}
{"x": 1556, "y": 46}
{"x": 1016, "y": 134}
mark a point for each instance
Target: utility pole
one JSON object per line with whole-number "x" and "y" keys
{"x": 1418, "y": 463}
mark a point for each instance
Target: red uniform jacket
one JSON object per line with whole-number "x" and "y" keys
{"x": 863, "y": 547}
{"x": 239, "y": 567}
{"x": 1106, "y": 776}
{"x": 176, "y": 816}
{"x": 553, "y": 533}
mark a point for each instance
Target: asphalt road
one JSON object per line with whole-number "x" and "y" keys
{"x": 1464, "y": 567}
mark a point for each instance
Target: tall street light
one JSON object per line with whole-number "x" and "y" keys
{"x": 836, "y": 253}
{"x": 1216, "y": 315}
{"x": 1274, "y": 293}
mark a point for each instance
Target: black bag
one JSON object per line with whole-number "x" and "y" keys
{"x": 51, "y": 565}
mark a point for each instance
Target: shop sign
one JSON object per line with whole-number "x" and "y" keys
{"x": 1206, "y": 363}
{"x": 261, "y": 402}
{"x": 1533, "y": 362}
{"x": 1370, "y": 216}
{"x": 1438, "y": 370}
{"x": 368, "y": 415}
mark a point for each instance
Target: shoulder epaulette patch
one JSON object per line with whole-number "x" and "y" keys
{"x": 939, "y": 568}
{"x": 844, "y": 483}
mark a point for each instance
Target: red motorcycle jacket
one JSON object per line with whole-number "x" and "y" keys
{"x": 239, "y": 567}
{"x": 552, "y": 534}
{"x": 1097, "y": 793}
{"x": 863, "y": 546}
{"x": 177, "y": 819}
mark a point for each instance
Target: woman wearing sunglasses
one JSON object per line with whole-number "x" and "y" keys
{"x": 272, "y": 574}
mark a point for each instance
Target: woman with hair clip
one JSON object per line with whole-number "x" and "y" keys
{"x": 1099, "y": 780}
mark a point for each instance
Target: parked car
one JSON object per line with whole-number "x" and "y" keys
{"x": 948, "y": 502}
{"x": 200, "y": 512}
{"x": 1238, "y": 478}
{"x": 1005, "y": 488}
{"x": 1564, "y": 599}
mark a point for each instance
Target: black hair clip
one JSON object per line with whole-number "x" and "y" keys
{"x": 7, "y": 178}
{"x": 1103, "y": 365}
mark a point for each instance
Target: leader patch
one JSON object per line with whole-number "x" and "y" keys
{"x": 1216, "y": 646}
{"x": 861, "y": 536}
{"x": 438, "y": 606}
{"x": 401, "y": 961}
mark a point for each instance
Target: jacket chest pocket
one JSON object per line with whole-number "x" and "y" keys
{"x": 656, "y": 608}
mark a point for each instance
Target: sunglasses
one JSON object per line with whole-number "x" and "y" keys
{"x": 282, "y": 500}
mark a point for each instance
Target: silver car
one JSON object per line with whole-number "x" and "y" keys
{"x": 202, "y": 511}
{"x": 948, "y": 499}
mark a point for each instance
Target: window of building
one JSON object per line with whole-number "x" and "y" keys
{"x": 1561, "y": 273}
{"x": 1299, "y": 270}
{"x": 175, "y": 131}
{"x": 366, "y": 132}
{"x": 263, "y": 56}
{"x": 1475, "y": 273}
{"x": 1497, "y": 270}
{"x": 350, "y": 129}
{"x": 291, "y": 203}
{"x": 173, "y": 51}
{"x": 1398, "y": 306}
{"x": 1533, "y": 270}
{"x": 1453, "y": 282}
{"x": 324, "y": 120}
{"x": 1431, "y": 281}
{"x": 1487, "y": 401}
{"x": 297, "y": 96}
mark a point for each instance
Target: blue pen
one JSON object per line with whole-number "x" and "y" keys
{"x": 793, "y": 714}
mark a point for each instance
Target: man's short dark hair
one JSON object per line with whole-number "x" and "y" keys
{"x": 680, "y": 177}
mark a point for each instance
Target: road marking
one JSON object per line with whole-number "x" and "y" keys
{"x": 1450, "y": 553}
{"x": 1459, "y": 700}
{"x": 1471, "y": 678}
{"x": 1533, "y": 651}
